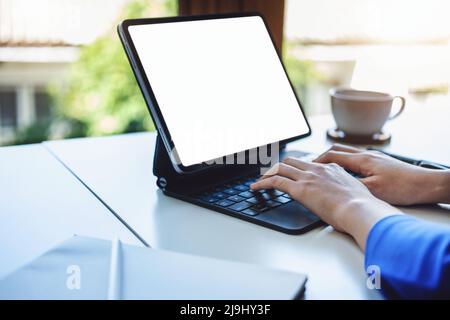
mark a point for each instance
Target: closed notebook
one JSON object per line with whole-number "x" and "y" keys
{"x": 87, "y": 268}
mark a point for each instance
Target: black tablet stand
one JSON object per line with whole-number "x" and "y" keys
{"x": 162, "y": 166}
{"x": 168, "y": 179}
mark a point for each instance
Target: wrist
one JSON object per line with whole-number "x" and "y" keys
{"x": 442, "y": 192}
{"x": 437, "y": 186}
{"x": 358, "y": 217}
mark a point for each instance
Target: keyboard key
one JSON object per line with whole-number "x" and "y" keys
{"x": 257, "y": 193}
{"x": 240, "y": 206}
{"x": 241, "y": 187}
{"x": 275, "y": 192}
{"x": 283, "y": 199}
{"x": 266, "y": 196}
{"x": 287, "y": 196}
{"x": 263, "y": 195}
{"x": 236, "y": 198}
{"x": 211, "y": 200}
{"x": 254, "y": 200}
{"x": 272, "y": 203}
{"x": 250, "y": 212}
{"x": 225, "y": 203}
{"x": 246, "y": 194}
{"x": 231, "y": 191}
{"x": 219, "y": 195}
{"x": 260, "y": 207}
{"x": 250, "y": 181}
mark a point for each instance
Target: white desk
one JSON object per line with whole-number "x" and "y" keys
{"x": 119, "y": 170}
{"x": 42, "y": 204}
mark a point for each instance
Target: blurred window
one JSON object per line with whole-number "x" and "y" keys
{"x": 8, "y": 108}
{"x": 42, "y": 105}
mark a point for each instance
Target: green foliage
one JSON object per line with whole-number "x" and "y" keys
{"x": 101, "y": 94}
{"x": 35, "y": 133}
{"x": 300, "y": 72}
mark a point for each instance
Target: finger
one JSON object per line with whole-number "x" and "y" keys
{"x": 344, "y": 148}
{"x": 340, "y": 147}
{"x": 284, "y": 170}
{"x": 349, "y": 161}
{"x": 368, "y": 181}
{"x": 299, "y": 164}
{"x": 274, "y": 182}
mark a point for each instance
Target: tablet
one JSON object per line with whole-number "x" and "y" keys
{"x": 214, "y": 85}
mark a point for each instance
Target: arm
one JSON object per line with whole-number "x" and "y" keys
{"x": 413, "y": 257}
{"x": 392, "y": 180}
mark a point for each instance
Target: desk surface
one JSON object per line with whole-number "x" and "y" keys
{"x": 42, "y": 204}
{"x": 119, "y": 170}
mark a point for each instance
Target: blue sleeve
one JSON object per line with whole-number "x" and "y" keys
{"x": 412, "y": 256}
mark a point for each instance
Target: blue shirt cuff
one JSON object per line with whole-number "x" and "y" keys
{"x": 412, "y": 256}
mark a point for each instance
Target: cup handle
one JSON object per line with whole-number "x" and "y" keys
{"x": 402, "y": 107}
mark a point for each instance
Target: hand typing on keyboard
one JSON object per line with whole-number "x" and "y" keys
{"x": 389, "y": 179}
{"x": 330, "y": 192}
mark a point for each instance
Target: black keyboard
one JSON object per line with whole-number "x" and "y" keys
{"x": 237, "y": 196}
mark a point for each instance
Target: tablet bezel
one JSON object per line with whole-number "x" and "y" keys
{"x": 151, "y": 100}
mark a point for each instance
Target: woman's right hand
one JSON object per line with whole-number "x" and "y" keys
{"x": 390, "y": 179}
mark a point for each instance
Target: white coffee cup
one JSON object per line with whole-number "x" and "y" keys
{"x": 362, "y": 113}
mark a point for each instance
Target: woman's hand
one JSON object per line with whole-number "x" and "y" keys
{"x": 331, "y": 193}
{"x": 390, "y": 179}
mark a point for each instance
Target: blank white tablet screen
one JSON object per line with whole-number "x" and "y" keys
{"x": 219, "y": 85}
